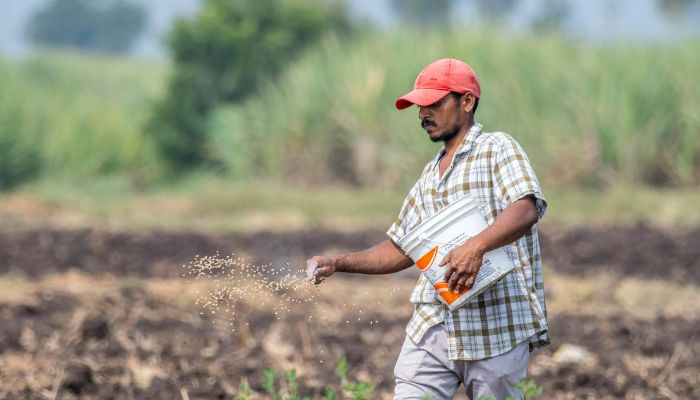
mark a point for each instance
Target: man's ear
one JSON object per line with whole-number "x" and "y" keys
{"x": 468, "y": 101}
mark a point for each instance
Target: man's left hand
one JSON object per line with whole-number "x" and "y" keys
{"x": 464, "y": 264}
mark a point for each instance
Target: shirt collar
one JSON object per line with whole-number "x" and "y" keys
{"x": 467, "y": 143}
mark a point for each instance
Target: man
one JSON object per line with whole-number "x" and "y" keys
{"x": 485, "y": 343}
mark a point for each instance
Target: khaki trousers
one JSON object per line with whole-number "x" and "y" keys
{"x": 423, "y": 371}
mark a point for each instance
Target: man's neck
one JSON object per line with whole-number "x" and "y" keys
{"x": 452, "y": 144}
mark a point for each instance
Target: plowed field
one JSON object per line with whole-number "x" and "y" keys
{"x": 94, "y": 314}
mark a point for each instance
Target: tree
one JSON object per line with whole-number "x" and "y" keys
{"x": 105, "y": 26}
{"x": 675, "y": 8}
{"x": 223, "y": 55}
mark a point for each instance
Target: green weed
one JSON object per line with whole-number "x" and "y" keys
{"x": 355, "y": 390}
{"x": 528, "y": 388}
{"x": 244, "y": 392}
{"x": 285, "y": 386}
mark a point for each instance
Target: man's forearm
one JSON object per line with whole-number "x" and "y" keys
{"x": 511, "y": 225}
{"x": 384, "y": 258}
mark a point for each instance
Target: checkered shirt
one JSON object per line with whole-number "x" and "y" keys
{"x": 493, "y": 169}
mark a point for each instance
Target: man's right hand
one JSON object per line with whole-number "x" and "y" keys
{"x": 318, "y": 268}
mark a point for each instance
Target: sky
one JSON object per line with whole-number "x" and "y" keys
{"x": 597, "y": 21}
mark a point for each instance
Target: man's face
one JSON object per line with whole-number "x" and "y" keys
{"x": 443, "y": 119}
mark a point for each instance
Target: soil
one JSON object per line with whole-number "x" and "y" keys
{"x": 37, "y": 252}
{"x": 638, "y": 250}
{"x": 126, "y": 341}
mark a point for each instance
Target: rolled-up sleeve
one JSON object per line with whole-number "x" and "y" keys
{"x": 515, "y": 178}
{"x": 408, "y": 217}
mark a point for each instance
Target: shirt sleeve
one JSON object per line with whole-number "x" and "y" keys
{"x": 409, "y": 216}
{"x": 515, "y": 178}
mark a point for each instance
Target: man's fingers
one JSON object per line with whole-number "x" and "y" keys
{"x": 446, "y": 259}
{"x": 316, "y": 273}
{"x": 449, "y": 272}
{"x": 316, "y": 279}
{"x": 319, "y": 274}
{"x": 454, "y": 279}
{"x": 470, "y": 282}
{"x": 461, "y": 284}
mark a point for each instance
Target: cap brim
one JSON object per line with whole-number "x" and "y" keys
{"x": 420, "y": 97}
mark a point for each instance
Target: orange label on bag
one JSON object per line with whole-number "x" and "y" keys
{"x": 443, "y": 289}
{"x": 427, "y": 259}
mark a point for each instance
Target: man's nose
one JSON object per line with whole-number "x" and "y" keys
{"x": 422, "y": 112}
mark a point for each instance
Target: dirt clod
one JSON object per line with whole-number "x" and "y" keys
{"x": 95, "y": 326}
{"x": 78, "y": 379}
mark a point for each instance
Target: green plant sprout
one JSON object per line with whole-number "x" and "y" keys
{"x": 285, "y": 387}
{"x": 528, "y": 388}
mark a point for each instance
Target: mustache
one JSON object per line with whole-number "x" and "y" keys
{"x": 427, "y": 122}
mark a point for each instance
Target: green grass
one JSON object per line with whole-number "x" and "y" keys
{"x": 586, "y": 116}
{"x": 209, "y": 204}
{"x": 70, "y": 115}
{"x": 589, "y": 117}
{"x": 663, "y": 207}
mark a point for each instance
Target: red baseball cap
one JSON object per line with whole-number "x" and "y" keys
{"x": 438, "y": 79}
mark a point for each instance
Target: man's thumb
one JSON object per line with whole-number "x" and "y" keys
{"x": 446, "y": 259}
